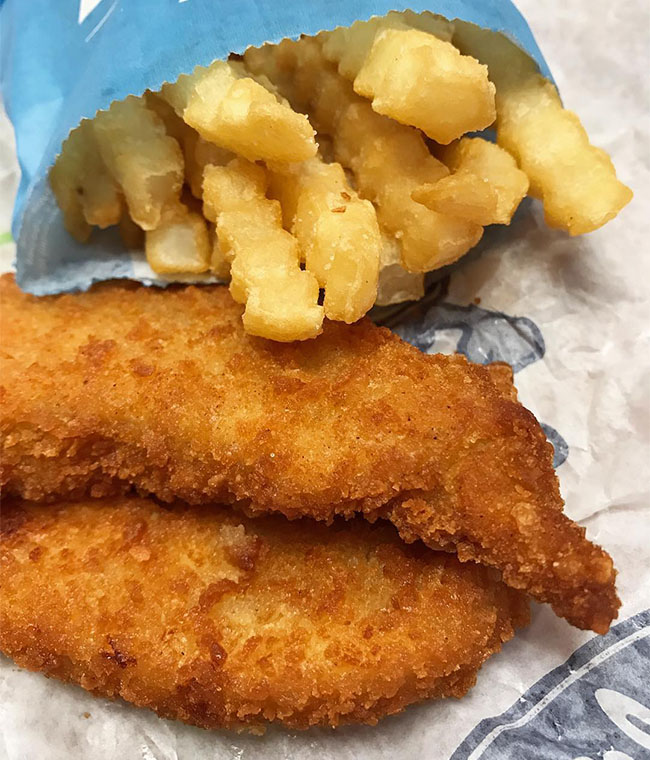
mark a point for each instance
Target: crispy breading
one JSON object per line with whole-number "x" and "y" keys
{"x": 164, "y": 391}
{"x": 223, "y": 621}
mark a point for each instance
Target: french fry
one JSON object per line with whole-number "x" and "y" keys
{"x": 231, "y": 188}
{"x": 143, "y": 159}
{"x": 179, "y": 245}
{"x": 229, "y": 108}
{"x": 485, "y": 186}
{"x": 281, "y": 299}
{"x": 422, "y": 81}
{"x": 273, "y": 62}
{"x": 174, "y": 125}
{"x": 219, "y": 264}
{"x": 282, "y": 306}
{"x": 576, "y": 181}
{"x": 349, "y": 46}
{"x": 197, "y": 152}
{"x": 406, "y": 65}
{"x": 84, "y": 189}
{"x": 64, "y": 183}
{"x": 462, "y": 195}
{"x": 202, "y": 153}
{"x": 389, "y": 160}
{"x": 396, "y": 285}
{"x": 337, "y": 232}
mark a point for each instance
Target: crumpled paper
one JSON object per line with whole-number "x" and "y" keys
{"x": 553, "y": 692}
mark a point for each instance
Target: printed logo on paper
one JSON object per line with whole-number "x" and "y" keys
{"x": 596, "y": 706}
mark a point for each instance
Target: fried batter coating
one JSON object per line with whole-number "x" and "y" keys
{"x": 164, "y": 391}
{"x": 223, "y": 621}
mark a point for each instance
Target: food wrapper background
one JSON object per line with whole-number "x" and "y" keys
{"x": 63, "y": 61}
{"x": 589, "y": 300}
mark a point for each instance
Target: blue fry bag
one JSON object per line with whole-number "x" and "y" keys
{"x": 63, "y": 61}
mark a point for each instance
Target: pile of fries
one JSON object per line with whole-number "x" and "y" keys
{"x": 324, "y": 175}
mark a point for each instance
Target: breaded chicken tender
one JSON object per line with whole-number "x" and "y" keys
{"x": 227, "y": 622}
{"x": 128, "y": 386}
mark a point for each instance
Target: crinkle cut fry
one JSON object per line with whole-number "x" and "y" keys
{"x": 388, "y": 160}
{"x": 281, "y": 299}
{"x": 575, "y": 180}
{"x": 122, "y": 387}
{"x": 349, "y": 46}
{"x": 197, "y": 152}
{"x": 82, "y": 185}
{"x": 181, "y": 244}
{"x": 230, "y": 108}
{"x": 420, "y": 80}
{"x": 337, "y": 232}
{"x": 485, "y": 185}
{"x": 262, "y": 620}
{"x": 143, "y": 159}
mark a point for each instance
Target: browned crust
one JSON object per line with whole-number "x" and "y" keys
{"x": 222, "y": 621}
{"x": 125, "y": 386}
{"x": 578, "y": 584}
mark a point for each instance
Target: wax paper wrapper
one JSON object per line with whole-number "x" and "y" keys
{"x": 570, "y": 314}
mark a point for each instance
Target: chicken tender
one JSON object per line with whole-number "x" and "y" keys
{"x": 227, "y": 622}
{"x": 128, "y": 386}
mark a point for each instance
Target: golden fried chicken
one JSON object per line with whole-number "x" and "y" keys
{"x": 219, "y": 620}
{"x": 163, "y": 391}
